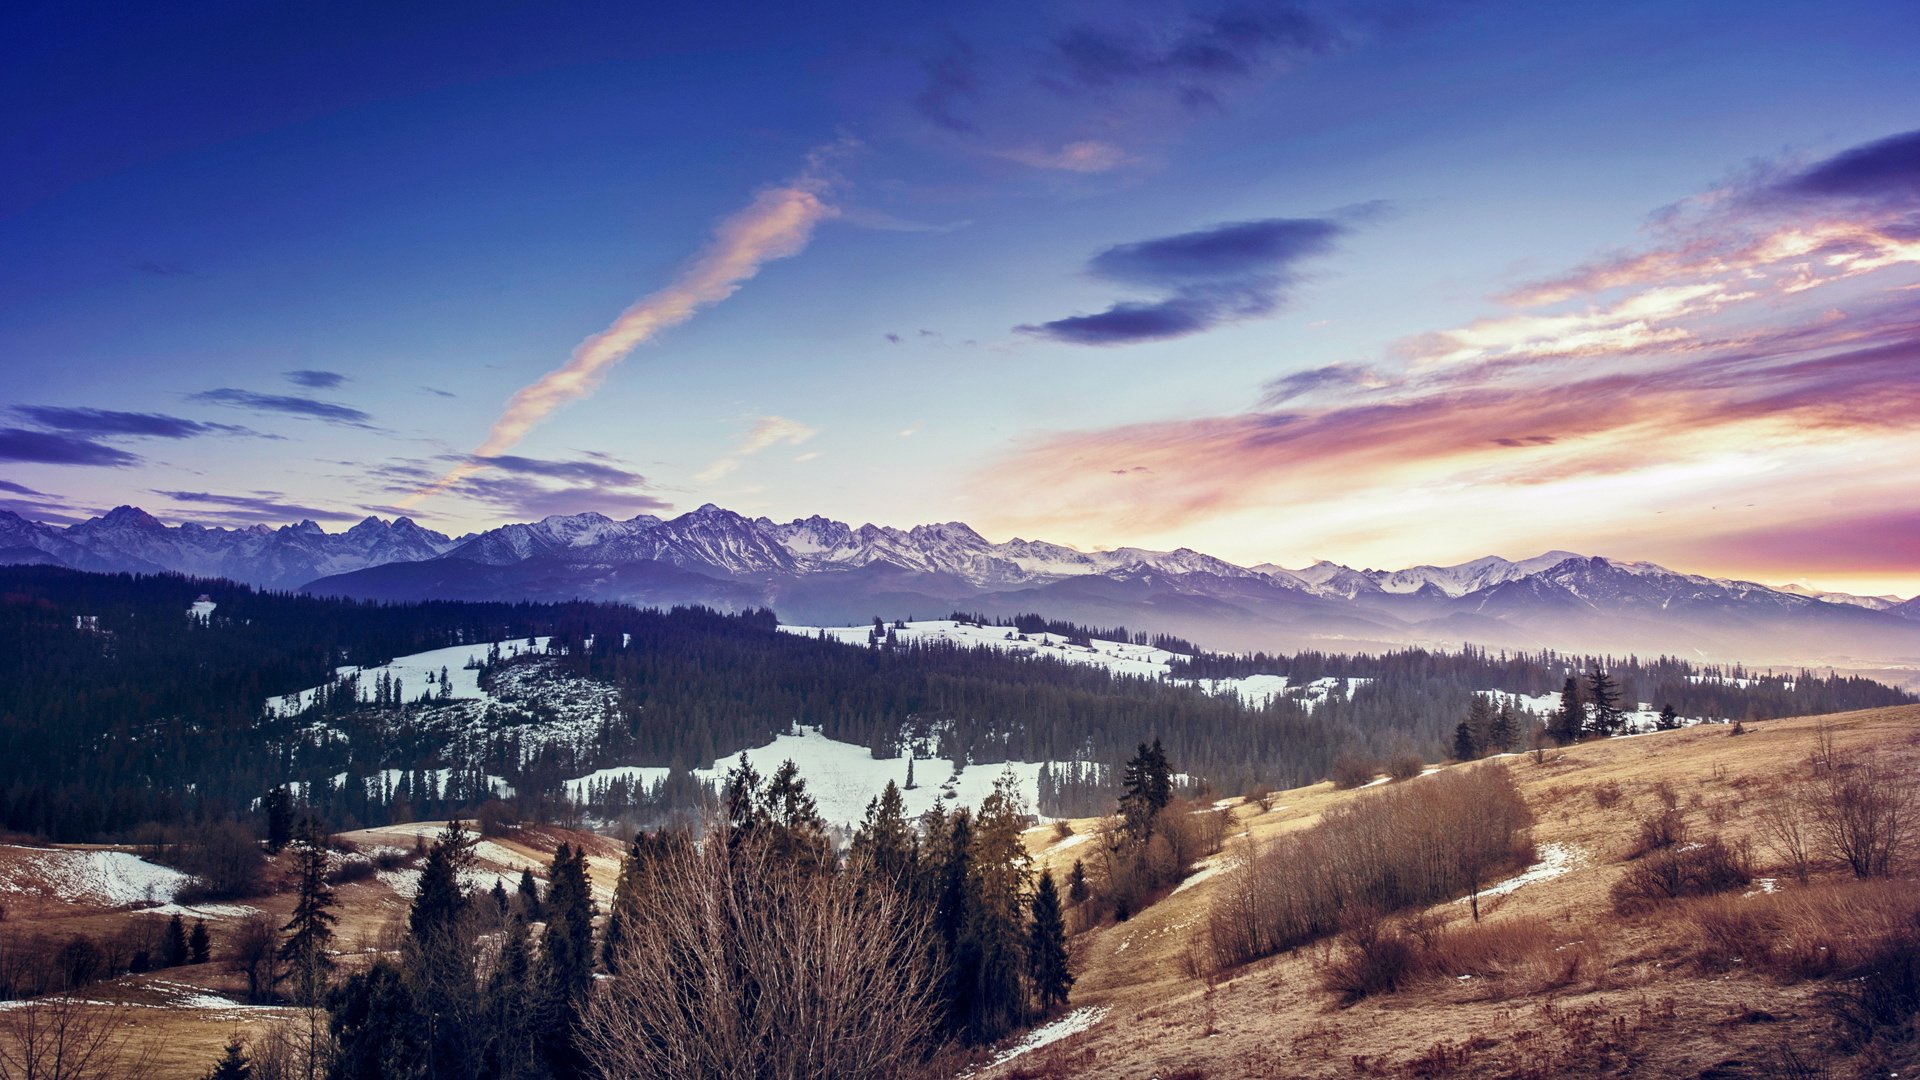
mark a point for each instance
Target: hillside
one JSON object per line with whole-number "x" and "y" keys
{"x": 1584, "y": 992}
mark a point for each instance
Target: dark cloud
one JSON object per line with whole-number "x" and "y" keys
{"x": 110, "y": 422}
{"x": 1285, "y": 388}
{"x": 437, "y": 392}
{"x": 1220, "y": 275}
{"x": 583, "y": 471}
{"x": 160, "y": 269}
{"x": 951, "y": 77}
{"x": 1888, "y": 168}
{"x": 259, "y": 506}
{"x": 895, "y": 338}
{"x": 22, "y": 489}
{"x": 1525, "y": 440}
{"x": 525, "y": 497}
{"x": 329, "y": 411}
{"x": 1195, "y": 58}
{"x": 315, "y": 380}
{"x": 57, "y": 448}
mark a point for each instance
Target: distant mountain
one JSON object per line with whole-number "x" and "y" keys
{"x": 816, "y": 570}
{"x": 129, "y": 539}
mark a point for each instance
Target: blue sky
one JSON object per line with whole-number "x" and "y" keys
{"x": 429, "y": 210}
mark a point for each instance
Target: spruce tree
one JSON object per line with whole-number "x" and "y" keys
{"x": 310, "y": 930}
{"x": 995, "y": 924}
{"x": 377, "y": 1028}
{"x": 1504, "y": 730}
{"x": 440, "y": 957}
{"x": 1605, "y": 695}
{"x": 566, "y": 954}
{"x": 199, "y": 944}
{"x": 1570, "y": 720}
{"x": 528, "y": 896}
{"x": 278, "y": 807}
{"x": 173, "y": 949}
{"x": 234, "y": 1064}
{"x": 882, "y": 846}
{"x": 1463, "y": 747}
{"x": 629, "y": 893}
{"x": 512, "y": 1009}
{"x": 1047, "y": 947}
{"x": 1669, "y": 720}
{"x": 1077, "y": 888}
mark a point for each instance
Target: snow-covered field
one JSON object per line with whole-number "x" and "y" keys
{"x": 1120, "y": 657}
{"x": 843, "y": 777}
{"x": 418, "y": 674}
{"x": 107, "y": 878}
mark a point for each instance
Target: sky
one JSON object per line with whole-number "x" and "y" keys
{"x": 1385, "y": 282}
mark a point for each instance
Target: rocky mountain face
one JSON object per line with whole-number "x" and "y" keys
{"x": 129, "y": 539}
{"x": 823, "y": 571}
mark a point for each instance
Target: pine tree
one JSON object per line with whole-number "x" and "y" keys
{"x": 512, "y": 1010}
{"x": 1463, "y": 747}
{"x": 173, "y": 949}
{"x": 377, "y": 1029}
{"x": 1669, "y": 720}
{"x": 1504, "y": 730}
{"x": 1077, "y": 889}
{"x": 310, "y": 930}
{"x": 528, "y": 896}
{"x": 566, "y": 954}
{"x": 278, "y": 807}
{"x": 1570, "y": 720}
{"x": 199, "y": 944}
{"x": 1479, "y": 725}
{"x": 799, "y": 832}
{"x": 1605, "y": 695}
{"x": 629, "y": 893}
{"x": 1047, "y": 947}
{"x": 883, "y": 844}
{"x": 440, "y": 957}
{"x": 501, "y": 902}
{"x": 995, "y": 924}
{"x": 234, "y": 1065}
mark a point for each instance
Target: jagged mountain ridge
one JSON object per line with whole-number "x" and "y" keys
{"x": 821, "y": 570}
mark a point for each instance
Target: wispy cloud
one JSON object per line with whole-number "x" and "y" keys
{"x": 331, "y": 412}
{"x": 768, "y": 431}
{"x": 57, "y": 448}
{"x": 1079, "y": 156}
{"x": 268, "y": 507}
{"x": 315, "y": 380}
{"x": 1212, "y": 277}
{"x": 777, "y": 224}
{"x": 108, "y": 422}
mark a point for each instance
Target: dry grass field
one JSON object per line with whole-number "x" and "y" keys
{"x": 1556, "y": 984}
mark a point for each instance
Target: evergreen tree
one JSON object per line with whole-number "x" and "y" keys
{"x": 501, "y": 902}
{"x": 277, "y": 804}
{"x": 566, "y": 954}
{"x": 234, "y": 1064}
{"x": 1479, "y": 724}
{"x": 629, "y": 893}
{"x": 1463, "y": 745}
{"x": 173, "y": 948}
{"x": 199, "y": 944}
{"x": 883, "y": 845}
{"x": 1605, "y": 695}
{"x": 952, "y": 914}
{"x": 377, "y": 1029}
{"x": 1077, "y": 888}
{"x": 1504, "y": 730}
{"x": 310, "y": 930}
{"x": 528, "y": 895}
{"x": 1669, "y": 719}
{"x": 1047, "y": 947}
{"x": 512, "y": 1010}
{"x": 799, "y": 832}
{"x": 1570, "y": 720}
{"x": 997, "y": 999}
{"x": 440, "y": 958}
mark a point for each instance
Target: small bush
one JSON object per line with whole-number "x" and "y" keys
{"x": 1699, "y": 869}
{"x": 1406, "y": 766}
{"x": 1375, "y": 958}
{"x": 1606, "y": 796}
{"x": 1880, "y": 998}
{"x": 1352, "y": 771}
{"x": 352, "y": 869}
{"x": 1659, "y": 831}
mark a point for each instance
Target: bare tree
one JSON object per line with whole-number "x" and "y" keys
{"x": 64, "y": 1038}
{"x": 1864, "y": 812}
{"x": 742, "y": 965}
{"x": 1786, "y": 826}
{"x": 253, "y": 952}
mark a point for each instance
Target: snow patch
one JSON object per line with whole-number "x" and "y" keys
{"x": 1555, "y": 860}
{"x": 108, "y": 878}
{"x": 1072, "y": 1024}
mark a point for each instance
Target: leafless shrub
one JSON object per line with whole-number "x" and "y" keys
{"x": 1515, "y": 955}
{"x": 1659, "y": 830}
{"x": 1406, "y": 765}
{"x": 1606, "y": 796}
{"x": 1387, "y": 851}
{"x": 1697, "y": 869}
{"x": 1352, "y": 771}
{"x": 741, "y": 966}
{"x": 1786, "y": 826}
{"x": 1803, "y": 933}
{"x": 253, "y": 951}
{"x": 64, "y": 1038}
{"x": 1864, "y": 815}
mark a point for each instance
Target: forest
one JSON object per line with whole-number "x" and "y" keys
{"x": 118, "y": 709}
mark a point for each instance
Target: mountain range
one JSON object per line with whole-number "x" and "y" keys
{"x": 816, "y": 570}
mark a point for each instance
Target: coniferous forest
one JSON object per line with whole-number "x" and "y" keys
{"x": 118, "y": 709}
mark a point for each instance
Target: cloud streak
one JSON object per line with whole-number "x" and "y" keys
{"x": 1211, "y": 277}
{"x": 777, "y": 224}
{"x": 56, "y": 448}
{"x": 331, "y": 412}
{"x": 109, "y": 422}
{"x": 767, "y": 432}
